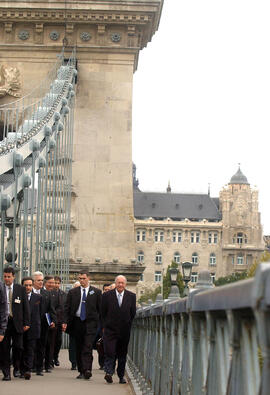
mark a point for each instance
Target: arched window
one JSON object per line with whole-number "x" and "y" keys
{"x": 195, "y": 258}
{"x": 212, "y": 259}
{"x": 140, "y": 257}
{"x": 158, "y": 258}
{"x": 176, "y": 257}
{"x": 240, "y": 238}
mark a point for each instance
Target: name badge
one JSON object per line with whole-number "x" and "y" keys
{"x": 17, "y": 301}
{"x": 91, "y": 292}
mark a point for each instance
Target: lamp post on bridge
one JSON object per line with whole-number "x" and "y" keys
{"x": 174, "y": 293}
{"x": 48, "y": 255}
{"x": 186, "y": 270}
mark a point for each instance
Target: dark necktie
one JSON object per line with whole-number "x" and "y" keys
{"x": 10, "y": 300}
{"x": 83, "y": 310}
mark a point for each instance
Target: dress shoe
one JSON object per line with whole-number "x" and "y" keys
{"x": 6, "y": 377}
{"x": 48, "y": 371}
{"x": 16, "y": 373}
{"x": 80, "y": 376}
{"x": 122, "y": 381}
{"x": 73, "y": 366}
{"x": 56, "y": 362}
{"x": 108, "y": 378}
{"x": 27, "y": 375}
{"x": 39, "y": 373}
{"x": 87, "y": 374}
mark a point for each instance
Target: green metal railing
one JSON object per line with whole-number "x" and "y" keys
{"x": 36, "y": 174}
{"x": 213, "y": 342}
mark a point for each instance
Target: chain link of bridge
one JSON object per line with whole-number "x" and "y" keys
{"x": 35, "y": 174}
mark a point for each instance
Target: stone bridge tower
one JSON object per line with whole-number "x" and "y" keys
{"x": 108, "y": 35}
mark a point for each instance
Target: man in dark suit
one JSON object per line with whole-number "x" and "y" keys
{"x": 3, "y": 317}
{"x": 50, "y": 344}
{"x": 61, "y": 299}
{"x": 118, "y": 310}
{"x": 3, "y": 311}
{"x": 48, "y": 319}
{"x": 30, "y": 337}
{"x": 18, "y": 323}
{"x": 81, "y": 318}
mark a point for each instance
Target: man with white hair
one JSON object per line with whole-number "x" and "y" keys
{"x": 118, "y": 308}
{"x": 48, "y": 319}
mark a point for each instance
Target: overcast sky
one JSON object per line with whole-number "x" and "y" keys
{"x": 202, "y": 99}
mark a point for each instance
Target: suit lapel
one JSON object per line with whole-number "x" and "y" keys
{"x": 124, "y": 298}
{"x": 116, "y": 300}
{"x": 14, "y": 293}
{"x": 78, "y": 297}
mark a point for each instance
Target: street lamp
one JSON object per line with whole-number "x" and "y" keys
{"x": 174, "y": 287}
{"x": 186, "y": 270}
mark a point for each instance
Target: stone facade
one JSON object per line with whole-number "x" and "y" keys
{"x": 222, "y": 239}
{"x": 108, "y": 37}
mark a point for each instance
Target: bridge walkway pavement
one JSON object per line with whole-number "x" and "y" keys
{"x": 62, "y": 381}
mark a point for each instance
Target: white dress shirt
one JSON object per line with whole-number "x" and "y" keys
{"x": 122, "y": 295}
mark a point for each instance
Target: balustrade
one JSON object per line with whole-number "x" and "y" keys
{"x": 214, "y": 341}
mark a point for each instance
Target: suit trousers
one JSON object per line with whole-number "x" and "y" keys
{"x": 27, "y": 359}
{"x": 49, "y": 351}
{"x": 58, "y": 342}
{"x": 41, "y": 346}
{"x": 115, "y": 348}
{"x": 84, "y": 346}
{"x": 11, "y": 335}
{"x": 72, "y": 350}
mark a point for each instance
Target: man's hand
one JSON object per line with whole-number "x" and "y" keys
{"x": 1, "y": 338}
{"x": 64, "y": 327}
{"x": 25, "y": 328}
{"x": 52, "y": 325}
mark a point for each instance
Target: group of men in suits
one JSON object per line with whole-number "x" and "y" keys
{"x": 86, "y": 307}
{"x": 33, "y": 312}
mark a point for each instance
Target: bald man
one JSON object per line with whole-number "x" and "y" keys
{"x": 118, "y": 308}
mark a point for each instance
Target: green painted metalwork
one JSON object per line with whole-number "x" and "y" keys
{"x": 212, "y": 342}
{"x": 35, "y": 175}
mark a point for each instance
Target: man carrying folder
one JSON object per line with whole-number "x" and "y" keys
{"x": 47, "y": 314}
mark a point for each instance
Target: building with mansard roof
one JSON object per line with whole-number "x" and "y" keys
{"x": 221, "y": 234}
